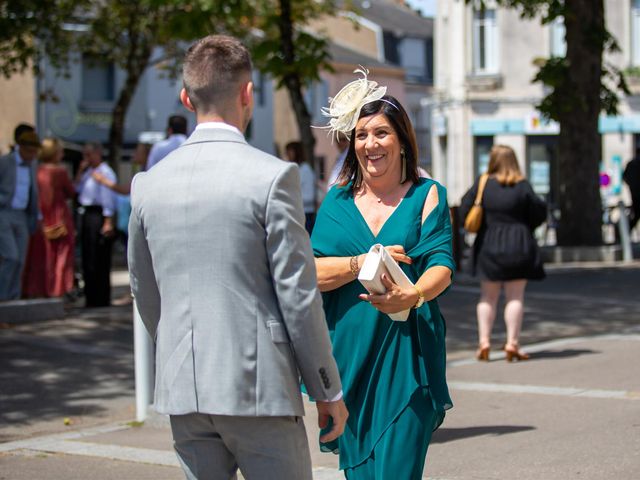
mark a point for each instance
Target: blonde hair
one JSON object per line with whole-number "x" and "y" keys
{"x": 503, "y": 165}
{"x": 49, "y": 150}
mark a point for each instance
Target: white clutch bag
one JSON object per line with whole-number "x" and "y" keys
{"x": 377, "y": 262}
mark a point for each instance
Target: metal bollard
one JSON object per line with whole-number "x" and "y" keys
{"x": 144, "y": 365}
{"x": 625, "y": 237}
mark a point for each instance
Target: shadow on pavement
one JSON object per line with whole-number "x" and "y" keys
{"x": 70, "y": 368}
{"x": 443, "y": 435}
{"x": 566, "y": 353}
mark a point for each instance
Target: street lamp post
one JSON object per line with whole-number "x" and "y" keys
{"x": 143, "y": 361}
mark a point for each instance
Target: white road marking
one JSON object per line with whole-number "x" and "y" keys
{"x": 542, "y": 390}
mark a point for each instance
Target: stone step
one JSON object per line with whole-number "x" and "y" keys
{"x": 31, "y": 310}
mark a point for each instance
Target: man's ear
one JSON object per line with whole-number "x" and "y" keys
{"x": 186, "y": 101}
{"x": 246, "y": 94}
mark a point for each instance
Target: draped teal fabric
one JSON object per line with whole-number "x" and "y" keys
{"x": 383, "y": 363}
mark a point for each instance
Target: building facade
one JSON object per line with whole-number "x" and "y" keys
{"x": 484, "y": 95}
{"x": 77, "y": 107}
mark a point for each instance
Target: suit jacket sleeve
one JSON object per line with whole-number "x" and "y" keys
{"x": 295, "y": 282}
{"x": 144, "y": 287}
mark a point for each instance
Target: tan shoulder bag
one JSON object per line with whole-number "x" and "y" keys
{"x": 473, "y": 221}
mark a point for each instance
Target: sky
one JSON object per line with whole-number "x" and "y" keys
{"x": 428, "y": 7}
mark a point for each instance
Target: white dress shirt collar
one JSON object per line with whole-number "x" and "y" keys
{"x": 224, "y": 126}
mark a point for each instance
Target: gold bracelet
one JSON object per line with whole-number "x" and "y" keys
{"x": 353, "y": 265}
{"x": 420, "y": 300}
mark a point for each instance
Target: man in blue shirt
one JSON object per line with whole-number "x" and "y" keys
{"x": 176, "y": 136}
{"x": 19, "y": 210}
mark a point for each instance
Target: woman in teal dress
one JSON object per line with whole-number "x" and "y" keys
{"x": 393, "y": 372}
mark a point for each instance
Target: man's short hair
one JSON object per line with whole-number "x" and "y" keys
{"x": 20, "y": 129}
{"x": 29, "y": 138}
{"x": 178, "y": 124}
{"x": 94, "y": 146}
{"x": 213, "y": 69}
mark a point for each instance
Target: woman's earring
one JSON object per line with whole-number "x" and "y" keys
{"x": 358, "y": 179}
{"x": 403, "y": 175}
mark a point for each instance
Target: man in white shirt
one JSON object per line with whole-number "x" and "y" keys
{"x": 176, "y": 135}
{"x": 97, "y": 208}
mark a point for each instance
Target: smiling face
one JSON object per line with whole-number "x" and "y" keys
{"x": 377, "y": 147}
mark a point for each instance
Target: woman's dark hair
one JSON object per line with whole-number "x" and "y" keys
{"x": 393, "y": 110}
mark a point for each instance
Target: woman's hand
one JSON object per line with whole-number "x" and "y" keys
{"x": 395, "y": 299}
{"x": 397, "y": 253}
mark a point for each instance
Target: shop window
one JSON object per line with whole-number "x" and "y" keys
{"x": 542, "y": 166}
{"x": 481, "y": 154}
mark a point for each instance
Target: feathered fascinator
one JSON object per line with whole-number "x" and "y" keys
{"x": 345, "y": 107}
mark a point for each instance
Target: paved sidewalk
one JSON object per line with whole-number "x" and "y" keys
{"x": 572, "y": 411}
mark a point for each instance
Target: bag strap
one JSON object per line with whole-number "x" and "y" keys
{"x": 481, "y": 184}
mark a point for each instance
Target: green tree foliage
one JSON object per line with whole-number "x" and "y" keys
{"x": 23, "y": 21}
{"x": 581, "y": 86}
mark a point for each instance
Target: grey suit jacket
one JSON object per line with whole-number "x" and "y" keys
{"x": 8, "y": 188}
{"x": 223, "y": 276}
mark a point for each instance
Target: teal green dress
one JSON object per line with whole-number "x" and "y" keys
{"x": 393, "y": 373}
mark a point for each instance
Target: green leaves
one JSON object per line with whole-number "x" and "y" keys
{"x": 305, "y": 54}
{"x": 30, "y": 29}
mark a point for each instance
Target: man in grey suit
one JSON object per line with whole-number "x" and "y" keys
{"x": 19, "y": 210}
{"x": 223, "y": 276}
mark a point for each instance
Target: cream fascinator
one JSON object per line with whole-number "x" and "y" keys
{"x": 345, "y": 107}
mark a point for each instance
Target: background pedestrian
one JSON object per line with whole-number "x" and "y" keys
{"x": 97, "y": 230}
{"x": 19, "y": 212}
{"x": 49, "y": 271}
{"x": 505, "y": 252}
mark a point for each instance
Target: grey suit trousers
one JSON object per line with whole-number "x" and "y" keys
{"x": 213, "y": 447}
{"x": 14, "y": 239}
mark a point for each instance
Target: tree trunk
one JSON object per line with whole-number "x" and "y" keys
{"x": 580, "y": 146}
{"x": 137, "y": 61}
{"x": 294, "y": 85}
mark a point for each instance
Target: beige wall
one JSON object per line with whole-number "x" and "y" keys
{"x": 18, "y": 103}
{"x": 343, "y": 31}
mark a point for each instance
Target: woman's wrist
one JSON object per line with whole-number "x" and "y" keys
{"x": 419, "y": 297}
{"x": 354, "y": 266}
